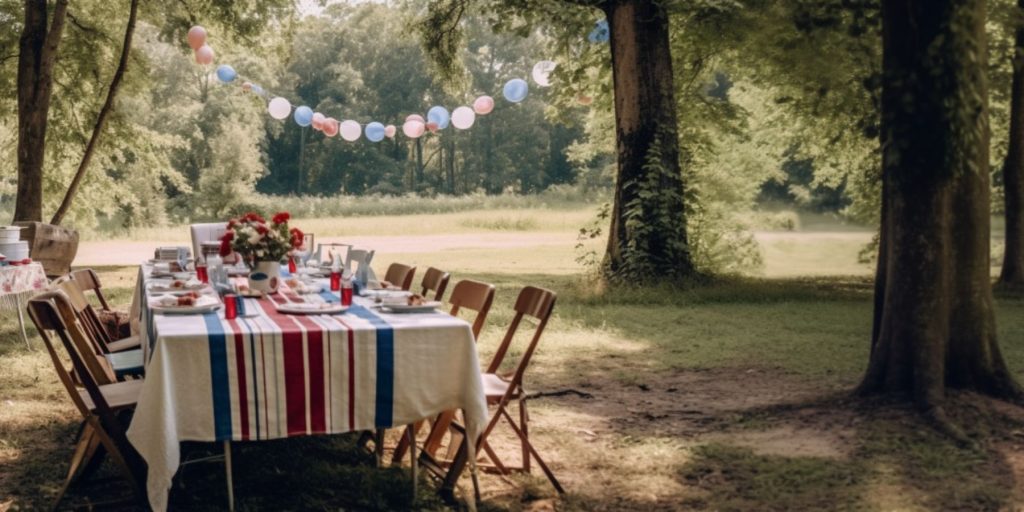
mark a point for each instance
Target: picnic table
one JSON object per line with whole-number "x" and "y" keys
{"x": 269, "y": 375}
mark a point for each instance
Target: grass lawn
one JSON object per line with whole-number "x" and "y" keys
{"x": 733, "y": 396}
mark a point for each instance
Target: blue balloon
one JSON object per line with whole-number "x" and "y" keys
{"x": 304, "y": 116}
{"x": 226, "y": 73}
{"x": 375, "y": 132}
{"x": 601, "y": 33}
{"x": 515, "y": 90}
{"x": 440, "y": 116}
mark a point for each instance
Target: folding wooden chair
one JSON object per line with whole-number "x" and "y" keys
{"x": 99, "y": 400}
{"x": 125, "y": 361}
{"x": 400, "y": 275}
{"x": 502, "y": 390}
{"x": 435, "y": 280}
{"x": 469, "y": 295}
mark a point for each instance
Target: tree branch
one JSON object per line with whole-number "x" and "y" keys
{"x": 101, "y": 119}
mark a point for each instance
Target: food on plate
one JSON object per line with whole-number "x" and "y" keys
{"x": 292, "y": 283}
{"x": 415, "y": 300}
{"x": 187, "y": 300}
{"x": 177, "y": 284}
{"x": 243, "y": 288}
{"x": 386, "y": 284}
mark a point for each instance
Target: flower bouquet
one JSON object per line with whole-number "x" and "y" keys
{"x": 262, "y": 245}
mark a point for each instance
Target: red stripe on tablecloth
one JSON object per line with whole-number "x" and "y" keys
{"x": 266, "y": 400}
{"x": 315, "y": 361}
{"x": 294, "y": 369}
{"x": 243, "y": 388}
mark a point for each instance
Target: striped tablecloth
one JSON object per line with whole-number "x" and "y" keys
{"x": 272, "y": 375}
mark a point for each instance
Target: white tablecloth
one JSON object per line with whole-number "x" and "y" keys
{"x": 19, "y": 283}
{"x": 272, "y": 376}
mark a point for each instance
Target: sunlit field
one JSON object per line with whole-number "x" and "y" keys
{"x": 731, "y": 396}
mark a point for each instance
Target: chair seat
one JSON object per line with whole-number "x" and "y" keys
{"x": 118, "y": 394}
{"x": 495, "y": 387}
{"x": 129, "y": 362}
{"x": 124, "y": 344}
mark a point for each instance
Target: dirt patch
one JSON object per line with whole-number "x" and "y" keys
{"x": 792, "y": 441}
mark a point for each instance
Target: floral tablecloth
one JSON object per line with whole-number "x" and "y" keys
{"x": 19, "y": 283}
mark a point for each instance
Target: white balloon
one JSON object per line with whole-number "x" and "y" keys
{"x": 542, "y": 72}
{"x": 279, "y": 108}
{"x": 350, "y": 130}
{"x": 463, "y": 118}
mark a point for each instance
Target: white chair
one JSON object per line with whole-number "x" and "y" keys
{"x": 210, "y": 232}
{"x": 362, "y": 258}
{"x": 319, "y": 254}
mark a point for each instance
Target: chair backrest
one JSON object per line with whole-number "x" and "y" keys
{"x": 363, "y": 258}
{"x": 88, "y": 281}
{"x": 474, "y": 296}
{"x": 57, "y": 315}
{"x": 533, "y": 302}
{"x": 435, "y": 280}
{"x": 319, "y": 255}
{"x": 86, "y": 316}
{"x": 209, "y": 232}
{"x": 400, "y": 275}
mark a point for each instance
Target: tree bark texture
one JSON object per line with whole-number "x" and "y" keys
{"x": 37, "y": 53}
{"x": 934, "y": 321}
{"x": 1013, "y": 169}
{"x": 647, "y": 238}
{"x": 101, "y": 119}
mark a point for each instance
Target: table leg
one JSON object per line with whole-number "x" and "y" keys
{"x": 412, "y": 461}
{"x": 21, "y": 321}
{"x": 227, "y": 469}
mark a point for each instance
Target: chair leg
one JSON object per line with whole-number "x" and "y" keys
{"x": 83, "y": 448}
{"x": 524, "y": 424}
{"x": 533, "y": 451}
{"x": 441, "y": 424}
{"x": 228, "y": 476}
{"x": 498, "y": 465}
{"x": 378, "y": 446}
{"x": 404, "y": 442}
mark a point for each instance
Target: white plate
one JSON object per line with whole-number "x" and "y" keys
{"x": 305, "y": 308}
{"x": 385, "y": 294}
{"x": 426, "y": 307}
{"x": 165, "y": 287}
{"x": 186, "y": 310}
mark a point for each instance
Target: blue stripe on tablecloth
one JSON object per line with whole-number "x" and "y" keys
{"x": 219, "y": 376}
{"x": 329, "y": 297}
{"x": 385, "y": 364}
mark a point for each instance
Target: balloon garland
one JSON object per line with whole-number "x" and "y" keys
{"x": 415, "y": 126}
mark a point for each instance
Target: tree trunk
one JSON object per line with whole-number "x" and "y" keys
{"x": 101, "y": 119}
{"x": 37, "y": 53}
{"x": 1013, "y": 173}
{"x": 934, "y": 320}
{"x": 647, "y": 238}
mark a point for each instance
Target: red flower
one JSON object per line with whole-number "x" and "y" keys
{"x": 228, "y": 236}
{"x": 262, "y": 229}
{"x": 231, "y": 223}
{"x": 225, "y": 247}
{"x": 254, "y": 217}
{"x": 297, "y": 237}
{"x": 281, "y": 217}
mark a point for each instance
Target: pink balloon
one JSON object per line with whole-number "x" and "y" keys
{"x": 247, "y": 86}
{"x": 318, "y": 121}
{"x": 413, "y": 129}
{"x": 330, "y": 127}
{"x": 389, "y": 131}
{"x": 483, "y": 105}
{"x": 196, "y": 37}
{"x": 415, "y": 117}
{"x": 204, "y": 55}
{"x": 432, "y": 126}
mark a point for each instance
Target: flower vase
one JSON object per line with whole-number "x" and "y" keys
{"x": 265, "y": 277}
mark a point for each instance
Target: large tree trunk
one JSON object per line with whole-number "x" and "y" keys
{"x": 101, "y": 119}
{"x": 1013, "y": 173}
{"x": 935, "y": 326}
{"x": 37, "y": 53}
{"x": 647, "y": 238}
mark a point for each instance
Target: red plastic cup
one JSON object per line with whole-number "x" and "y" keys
{"x": 201, "y": 273}
{"x": 291, "y": 266}
{"x": 335, "y": 281}
{"x": 230, "y": 306}
{"x": 346, "y": 296}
